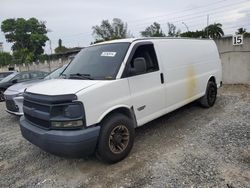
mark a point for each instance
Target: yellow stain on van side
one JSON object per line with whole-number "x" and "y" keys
{"x": 191, "y": 81}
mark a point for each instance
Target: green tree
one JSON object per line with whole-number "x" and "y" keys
{"x": 28, "y": 37}
{"x": 194, "y": 34}
{"x": 214, "y": 31}
{"x": 60, "y": 48}
{"x": 110, "y": 31}
{"x": 5, "y": 58}
{"x": 172, "y": 30}
{"x": 153, "y": 30}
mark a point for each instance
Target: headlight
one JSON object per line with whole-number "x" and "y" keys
{"x": 67, "y": 115}
{"x": 67, "y": 124}
{"x": 19, "y": 94}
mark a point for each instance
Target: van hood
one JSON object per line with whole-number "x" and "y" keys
{"x": 60, "y": 86}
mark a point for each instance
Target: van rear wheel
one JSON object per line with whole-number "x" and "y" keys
{"x": 116, "y": 138}
{"x": 210, "y": 96}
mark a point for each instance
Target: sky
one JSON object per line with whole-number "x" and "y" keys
{"x": 72, "y": 21}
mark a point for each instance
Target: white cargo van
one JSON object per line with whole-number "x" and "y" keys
{"x": 111, "y": 88}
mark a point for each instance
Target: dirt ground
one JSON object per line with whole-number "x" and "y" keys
{"x": 190, "y": 147}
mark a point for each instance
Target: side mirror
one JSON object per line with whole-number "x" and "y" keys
{"x": 139, "y": 66}
{"x": 14, "y": 81}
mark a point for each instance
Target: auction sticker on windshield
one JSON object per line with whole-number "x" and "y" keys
{"x": 108, "y": 54}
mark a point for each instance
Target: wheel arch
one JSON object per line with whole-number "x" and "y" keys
{"x": 123, "y": 109}
{"x": 212, "y": 78}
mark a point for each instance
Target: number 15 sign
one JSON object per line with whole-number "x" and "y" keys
{"x": 237, "y": 40}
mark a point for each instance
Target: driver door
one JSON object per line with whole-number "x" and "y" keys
{"x": 146, "y": 89}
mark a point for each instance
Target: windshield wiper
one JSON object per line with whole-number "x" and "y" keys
{"x": 80, "y": 76}
{"x": 63, "y": 76}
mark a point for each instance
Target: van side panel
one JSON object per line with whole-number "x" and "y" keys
{"x": 106, "y": 96}
{"x": 188, "y": 64}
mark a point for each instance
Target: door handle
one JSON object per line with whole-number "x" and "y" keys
{"x": 162, "y": 78}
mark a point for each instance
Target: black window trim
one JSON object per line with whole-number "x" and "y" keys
{"x": 125, "y": 73}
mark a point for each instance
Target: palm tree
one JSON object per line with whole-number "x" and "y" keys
{"x": 241, "y": 30}
{"x": 214, "y": 30}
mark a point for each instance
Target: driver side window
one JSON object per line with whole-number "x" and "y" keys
{"x": 146, "y": 52}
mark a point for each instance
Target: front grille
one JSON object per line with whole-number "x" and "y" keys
{"x": 37, "y": 107}
{"x": 37, "y": 121}
{"x": 11, "y": 106}
{"x": 30, "y": 106}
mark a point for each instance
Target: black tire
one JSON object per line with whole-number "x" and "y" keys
{"x": 1, "y": 96}
{"x": 116, "y": 138}
{"x": 210, "y": 96}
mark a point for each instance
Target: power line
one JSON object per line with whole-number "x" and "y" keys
{"x": 176, "y": 12}
{"x": 220, "y": 7}
{"x": 214, "y": 20}
{"x": 184, "y": 16}
{"x": 196, "y": 15}
{"x": 188, "y": 18}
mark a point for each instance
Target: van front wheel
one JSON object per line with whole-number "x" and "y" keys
{"x": 116, "y": 138}
{"x": 210, "y": 96}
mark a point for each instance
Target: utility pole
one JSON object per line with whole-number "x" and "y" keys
{"x": 207, "y": 24}
{"x": 50, "y": 47}
{"x": 50, "y": 55}
{"x": 1, "y": 46}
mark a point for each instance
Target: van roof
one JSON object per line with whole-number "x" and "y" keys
{"x": 130, "y": 40}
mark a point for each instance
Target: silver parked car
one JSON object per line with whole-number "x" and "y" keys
{"x": 14, "y": 94}
{"x": 4, "y": 74}
{"x": 18, "y": 77}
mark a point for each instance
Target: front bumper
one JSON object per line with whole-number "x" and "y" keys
{"x": 18, "y": 103}
{"x": 66, "y": 143}
{"x": 14, "y": 113}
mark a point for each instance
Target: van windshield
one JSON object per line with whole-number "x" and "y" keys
{"x": 101, "y": 62}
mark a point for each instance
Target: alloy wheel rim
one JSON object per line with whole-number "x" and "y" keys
{"x": 119, "y": 139}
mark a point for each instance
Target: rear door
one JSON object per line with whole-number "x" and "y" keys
{"x": 147, "y": 95}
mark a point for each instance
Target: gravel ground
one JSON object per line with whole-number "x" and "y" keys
{"x": 191, "y": 147}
